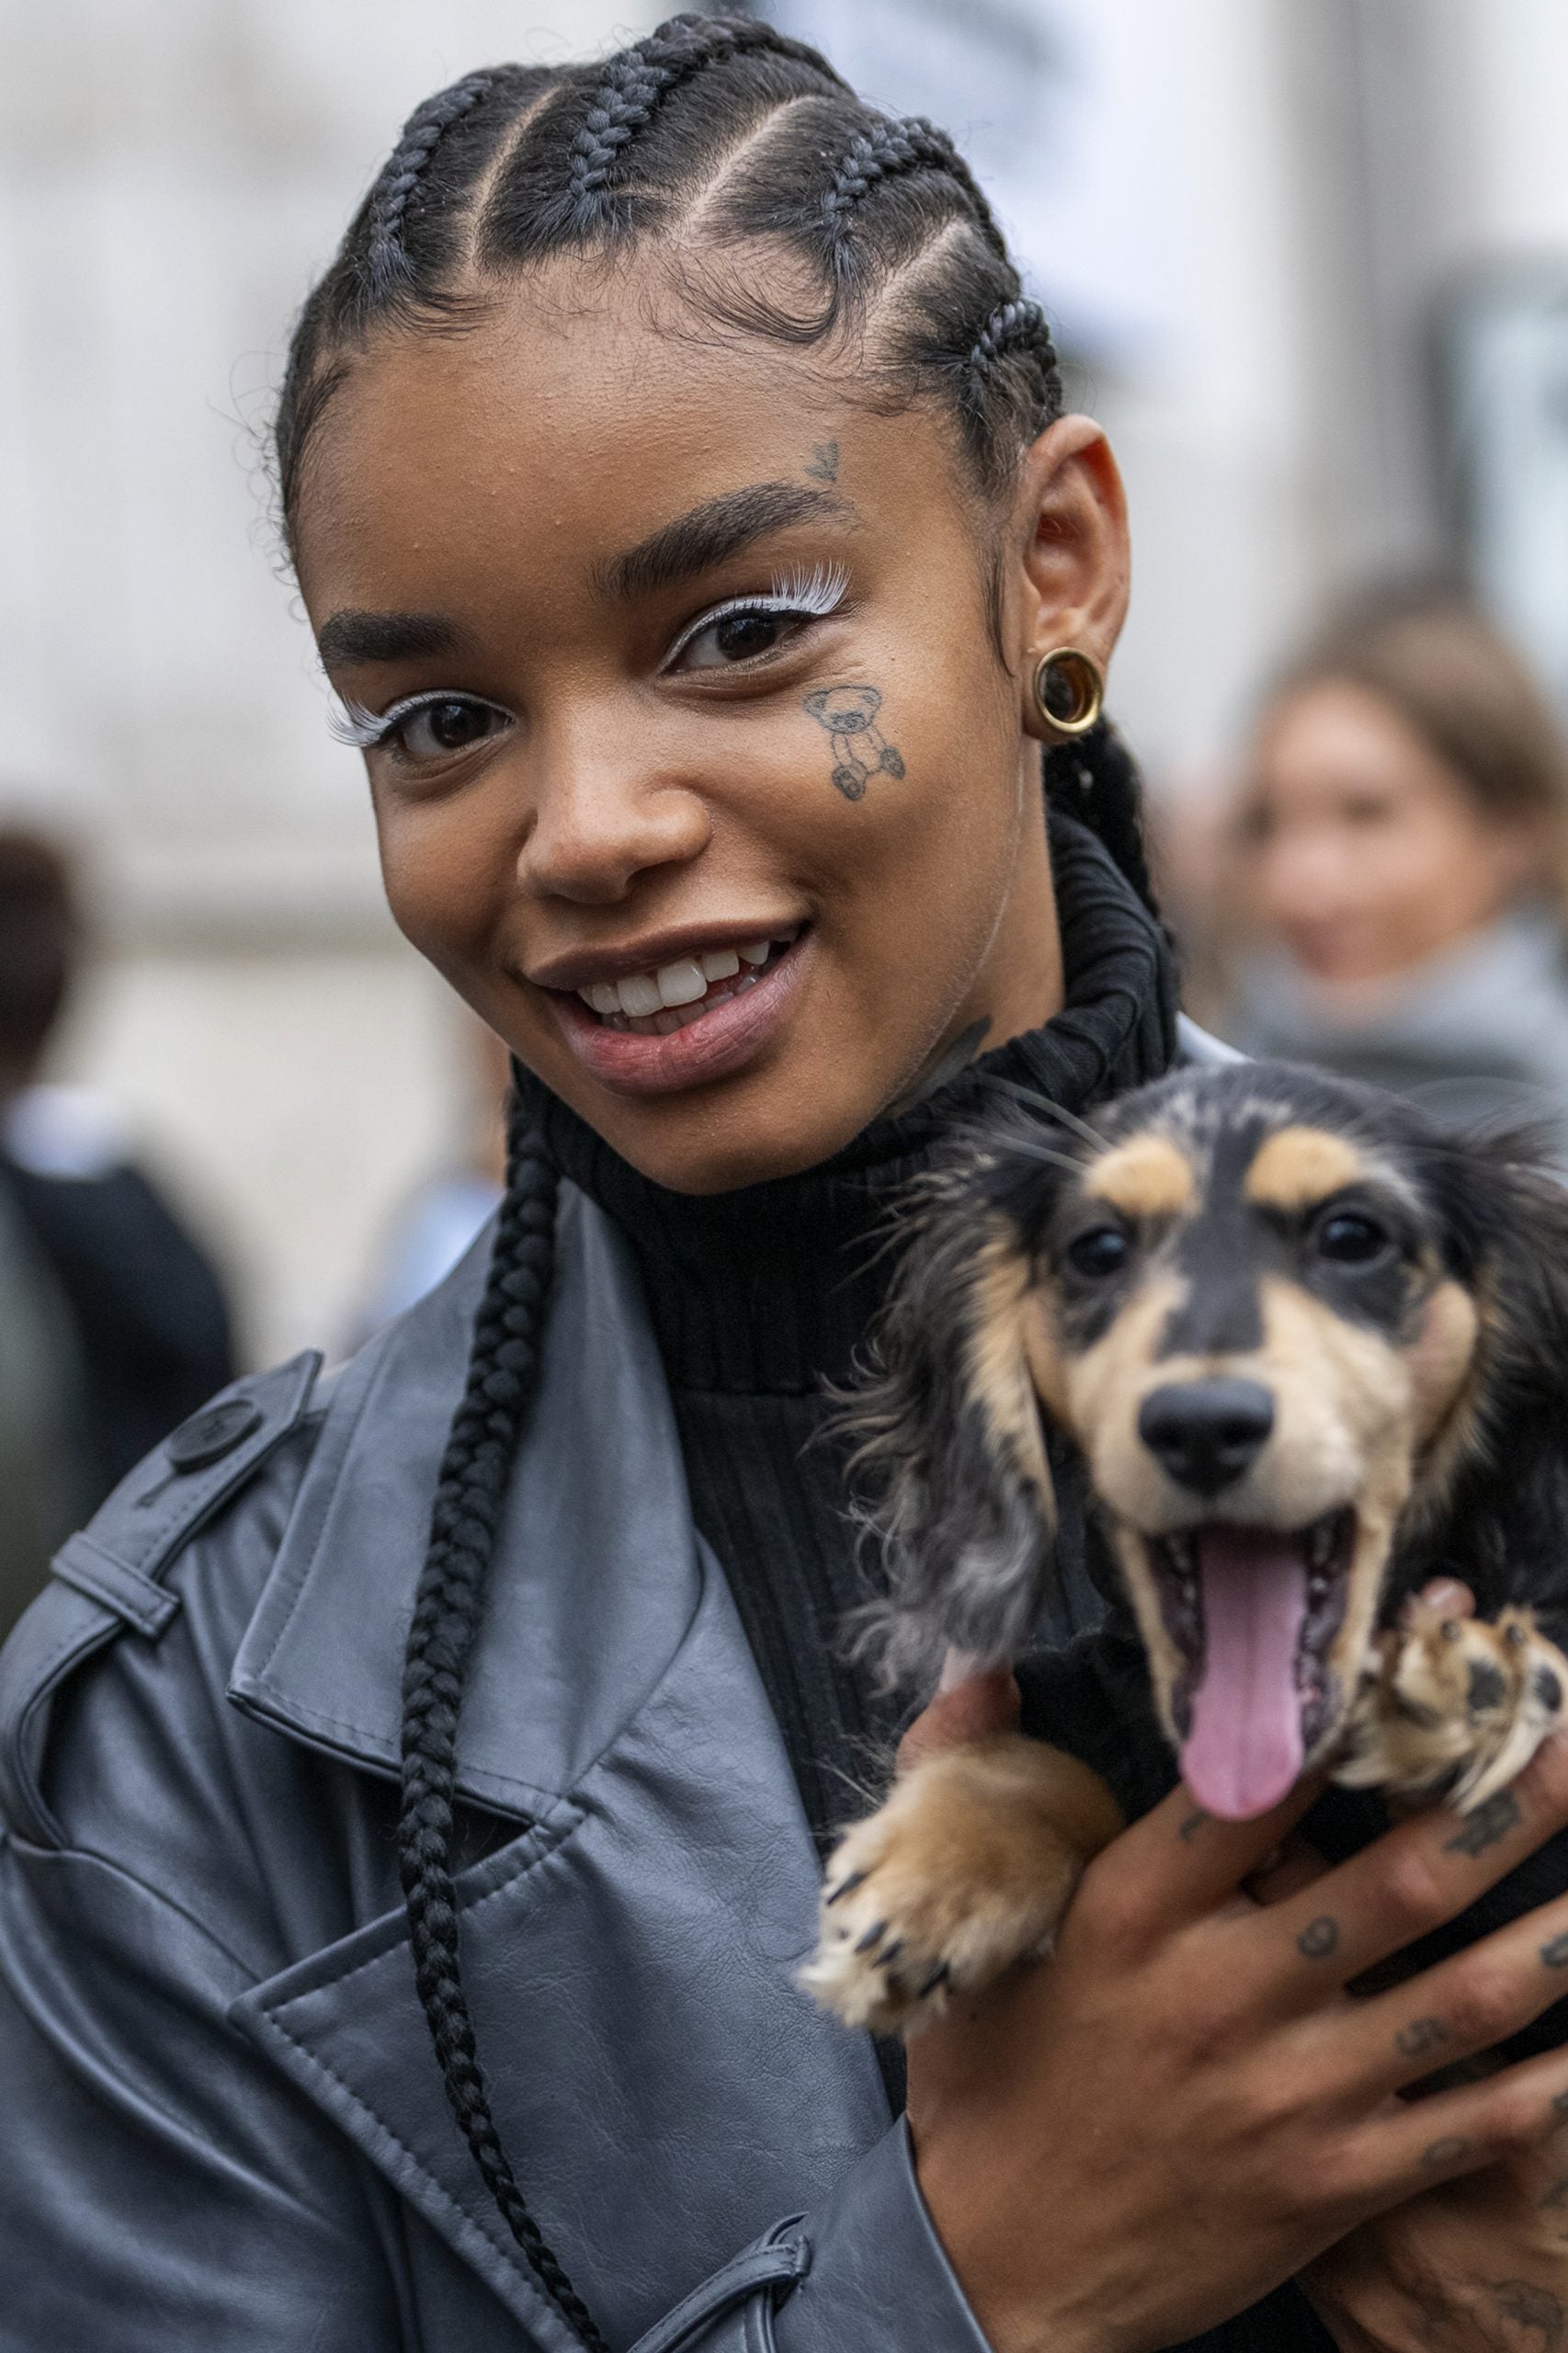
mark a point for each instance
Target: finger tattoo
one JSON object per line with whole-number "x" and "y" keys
{"x": 1486, "y": 1826}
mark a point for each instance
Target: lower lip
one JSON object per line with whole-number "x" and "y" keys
{"x": 713, "y": 1047}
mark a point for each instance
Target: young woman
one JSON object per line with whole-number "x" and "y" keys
{"x": 1402, "y": 858}
{"x": 678, "y": 486}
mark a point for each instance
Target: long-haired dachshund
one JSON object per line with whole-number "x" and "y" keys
{"x": 1303, "y": 1354}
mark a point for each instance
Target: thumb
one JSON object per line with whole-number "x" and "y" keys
{"x": 970, "y": 1710}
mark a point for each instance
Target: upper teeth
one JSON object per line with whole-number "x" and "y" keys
{"x": 682, "y": 982}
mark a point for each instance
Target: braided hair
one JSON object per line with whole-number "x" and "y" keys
{"x": 719, "y": 138}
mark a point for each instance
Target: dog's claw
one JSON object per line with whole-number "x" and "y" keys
{"x": 872, "y": 1936}
{"x": 845, "y": 1887}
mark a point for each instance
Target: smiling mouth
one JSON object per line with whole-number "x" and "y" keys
{"x": 1253, "y": 1612}
{"x": 656, "y": 1004}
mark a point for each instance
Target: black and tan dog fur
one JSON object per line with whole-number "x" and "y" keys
{"x": 1267, "y": 1313}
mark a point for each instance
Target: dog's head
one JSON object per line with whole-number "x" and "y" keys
{"x": 1276, "y": 1316}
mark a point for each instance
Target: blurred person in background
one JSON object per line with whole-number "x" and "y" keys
{"x": 441, "y": 1217}
{"x": 43, "y": 1489}
{"x": 1399, "y": 867}
{"x": 146, "y": 1310}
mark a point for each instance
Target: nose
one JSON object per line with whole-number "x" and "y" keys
{"x": 1206, "y": 1432}
{"x": 600, "y": 822}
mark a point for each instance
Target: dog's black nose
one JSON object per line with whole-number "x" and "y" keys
{"x": 1206, "y": 1432}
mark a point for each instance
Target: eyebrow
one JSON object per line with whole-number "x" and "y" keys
{"x": 705, "y": 537}
{"x": 354, "y": 636}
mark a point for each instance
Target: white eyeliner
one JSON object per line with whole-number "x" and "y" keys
{"x": 363, "y": 730}
{"x": 814, "y": 594}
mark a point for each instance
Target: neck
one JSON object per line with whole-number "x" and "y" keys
{"x": 1019, "y": 984}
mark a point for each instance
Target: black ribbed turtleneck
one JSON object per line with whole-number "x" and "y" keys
{"x": 760, "y": 1299}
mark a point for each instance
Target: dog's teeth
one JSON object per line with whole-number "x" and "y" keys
{"x": 1320, "y": 1549}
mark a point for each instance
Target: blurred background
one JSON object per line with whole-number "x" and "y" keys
{"x": 1307, "y": 259}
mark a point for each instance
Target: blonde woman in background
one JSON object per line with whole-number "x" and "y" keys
{"x": 1397, "y": 878}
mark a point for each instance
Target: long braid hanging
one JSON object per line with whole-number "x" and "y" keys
{"x": 502, "y": 1373}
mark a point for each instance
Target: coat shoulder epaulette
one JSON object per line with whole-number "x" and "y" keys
{"x": 108, "y": 1579}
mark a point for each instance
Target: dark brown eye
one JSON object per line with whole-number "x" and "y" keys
{"x": 1350, "y": 1238}
{"x": 1103, "y": 1251}
{"x": 443, "y": 726}
{"x": 450, "y": 726}
{"x": 740, "y": 635}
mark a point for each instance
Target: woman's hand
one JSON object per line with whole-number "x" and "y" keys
{"x": 1185, "y": 2107}
{"x": 1474, "y": 2266}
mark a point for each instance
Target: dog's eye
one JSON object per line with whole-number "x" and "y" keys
{"x": 1351, "y": 1239}
{"x": 1102, "y": 1252}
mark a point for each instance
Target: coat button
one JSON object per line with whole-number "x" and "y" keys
{"x": 212, "y": 1433}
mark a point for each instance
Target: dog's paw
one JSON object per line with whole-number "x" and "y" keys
{"x": 1455, "y": 1706}
{"x": 968, "y": 1866}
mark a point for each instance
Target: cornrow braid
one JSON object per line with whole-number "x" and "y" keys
{"x": 386, "y": 255}
{"x": 637, "y": 80}
{"x": 1013, "y": 329}
{"x": 893, "y": 147}
{"x": 503, "y": 1374}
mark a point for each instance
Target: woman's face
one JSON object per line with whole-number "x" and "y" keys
{"x": 696, "y": 771}
{"x": 1361, "y": 849}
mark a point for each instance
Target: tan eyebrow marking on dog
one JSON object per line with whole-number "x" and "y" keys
{"x": 1145, "y": 1176}
{"x": 1296, "y": 1167}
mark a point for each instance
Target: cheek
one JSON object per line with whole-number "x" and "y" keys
{"x": 448, "y": 866}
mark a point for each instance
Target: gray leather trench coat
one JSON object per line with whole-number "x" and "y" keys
{"x": 226, "y": 2127}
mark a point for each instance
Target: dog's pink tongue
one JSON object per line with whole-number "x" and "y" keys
{"x": 1244, "y": 1752}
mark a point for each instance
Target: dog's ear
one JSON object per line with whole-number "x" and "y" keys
{"x": 1505, "y": 1211}
{"x": 950, "y": 1439}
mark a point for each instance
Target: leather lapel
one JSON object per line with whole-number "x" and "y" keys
{"x": 663, "y": 2089}
{"x": 595, "y": 1580}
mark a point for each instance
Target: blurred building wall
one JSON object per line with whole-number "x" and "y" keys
{"x": 1237, "y": 211}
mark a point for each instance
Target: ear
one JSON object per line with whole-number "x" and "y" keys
{"x": 950, "y": 1434}
{"x": 1071, "y": 572}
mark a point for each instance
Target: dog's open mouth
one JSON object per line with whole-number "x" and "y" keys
{"x": 1253, "y": 1612}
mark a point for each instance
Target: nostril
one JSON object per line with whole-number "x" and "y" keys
{"x": 1206, "y": 1433}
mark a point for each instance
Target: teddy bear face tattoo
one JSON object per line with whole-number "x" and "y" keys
{"x": 849, "y": 715}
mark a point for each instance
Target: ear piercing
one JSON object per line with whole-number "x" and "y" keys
{"x": 1068, "y": 690}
